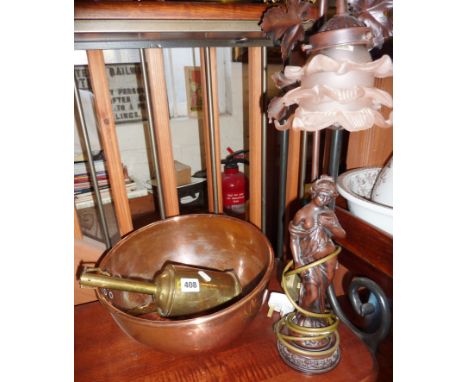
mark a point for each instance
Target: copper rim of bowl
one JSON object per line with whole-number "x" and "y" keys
{"x": 356, "y": 198}
{"x": 215, "y": 315}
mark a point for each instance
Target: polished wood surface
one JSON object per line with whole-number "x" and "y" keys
{"x": 255, "y": 135}
{"x": 367, "y": 241}
{"x": 77, "y": 229}
{"x": 86, "y": 251}
{"x": 367, "y": 251}
{"x": 162, "y": 131}
{"x": 292, "y": 174}
{"x": 104, "y": 353}
{"x": 374, "y": 146}
{"x": 157, "y": 10}
{"x": 109, "y": 140}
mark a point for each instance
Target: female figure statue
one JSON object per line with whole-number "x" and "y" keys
{"x": 311, "y": 231}
{"x": 307, "y": 338}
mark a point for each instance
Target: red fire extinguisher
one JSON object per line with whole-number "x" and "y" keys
{"x": 235, "y": 185}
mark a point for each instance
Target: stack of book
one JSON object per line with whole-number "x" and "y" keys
{"x": 83, "y": 179}
{"x": 84, "y": 191}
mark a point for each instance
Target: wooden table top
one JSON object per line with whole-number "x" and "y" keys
{"x": 104, "y": 353}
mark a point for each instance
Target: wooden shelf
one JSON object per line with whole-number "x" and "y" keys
{"x": 367, "y": 251}
{"x": 157, "y": 10}
{"x": 130, "y": 24}
{"x": 104, "y": 353}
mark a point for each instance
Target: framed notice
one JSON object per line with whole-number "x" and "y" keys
{"x": 126, "y": 90}
{"x": 194, "y": 91}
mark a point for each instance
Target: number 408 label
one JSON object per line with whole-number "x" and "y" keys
{"x": 190, "y": 285}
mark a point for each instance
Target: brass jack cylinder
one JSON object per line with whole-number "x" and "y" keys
{"x": 178, "y": 290}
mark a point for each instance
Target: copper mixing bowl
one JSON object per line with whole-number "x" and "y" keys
{"x": 211, "y": 241}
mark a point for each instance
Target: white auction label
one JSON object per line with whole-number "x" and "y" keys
{"x": 189, "y": 285}
{"x": 204, "y": 276}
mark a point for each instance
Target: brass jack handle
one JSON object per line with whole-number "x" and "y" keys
{"x": 96, "y": 278}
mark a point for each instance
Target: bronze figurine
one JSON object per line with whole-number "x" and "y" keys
{"x": 307, "y": 338}
{"x": 310, "y": 241}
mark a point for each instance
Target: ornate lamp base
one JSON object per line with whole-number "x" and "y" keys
{"x": 309, "y": 364}
{"x": 308, "y": 339}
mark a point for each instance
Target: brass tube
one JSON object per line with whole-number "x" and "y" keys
{"x": 178, "y": 290}
{"x": 101, "y": 281}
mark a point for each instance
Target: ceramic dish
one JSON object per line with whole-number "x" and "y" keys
{"x": 356, "y": 187}
{"x": 382, "y": 192}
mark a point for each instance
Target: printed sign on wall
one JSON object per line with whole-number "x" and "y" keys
{"x": 126, "y": 90}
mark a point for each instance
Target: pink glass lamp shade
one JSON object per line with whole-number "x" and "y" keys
{"x": 337, "y": 82}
